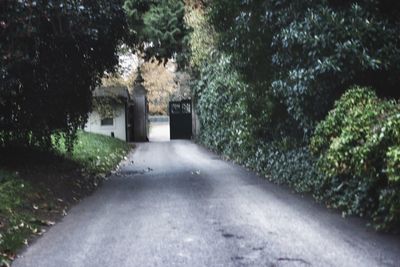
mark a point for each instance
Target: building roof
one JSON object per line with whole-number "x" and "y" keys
{"x": 112, "y": 91}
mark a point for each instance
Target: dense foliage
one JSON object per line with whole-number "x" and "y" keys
{"x": 202, "y": 39}
{"x": 52, "y": 55}
{"x": 226, "y": 124}
{"x": 266, "y": 74}
{"x": 358, "y": 148}
{"x": 157, "y": 28}
{"x": 221, "y": 107}
{"x": 226, "y": 127}
{"x": 305, "y": 54}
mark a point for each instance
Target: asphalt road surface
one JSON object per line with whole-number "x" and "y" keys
{"x": 176, "y": 204}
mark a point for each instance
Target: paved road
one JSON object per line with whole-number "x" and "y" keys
{"x": 159, "y": 130}
{"x": 180, "y": 205}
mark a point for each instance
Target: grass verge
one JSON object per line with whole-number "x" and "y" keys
{"x": 97, "y": 154}
{"x": 37, "y": 188}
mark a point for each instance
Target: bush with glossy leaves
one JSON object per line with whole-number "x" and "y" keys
{"x": 358, "y": 149}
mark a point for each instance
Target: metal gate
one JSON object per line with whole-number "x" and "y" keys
{"x": 180, "y": 119}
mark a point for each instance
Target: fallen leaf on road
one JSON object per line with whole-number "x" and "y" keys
{"x": 42, "y": 231}
{"x": 50, "y": 223}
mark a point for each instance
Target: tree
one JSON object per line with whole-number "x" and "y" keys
{"x": 163, "y": 84}
{"x": 159, "y": 83}
{"x": 303, "y": 55}
{"x": 157, "y": 28}
{"x": 52, "y": 55}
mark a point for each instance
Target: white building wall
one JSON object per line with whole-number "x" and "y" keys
{"x": 119, "y": 128}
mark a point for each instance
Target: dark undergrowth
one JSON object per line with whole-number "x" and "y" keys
{"x": 37, "y": 188}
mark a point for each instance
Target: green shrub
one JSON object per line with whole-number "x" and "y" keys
{"x": 227, "y": 128}
{"x": 225, "y": 124}
{"x": 307, "y": 53}
{"x": 358, "y": 149}
{"x": 393, "y": 163}
{"x": 286, "y": 162}
{"x": 262, "y": 113}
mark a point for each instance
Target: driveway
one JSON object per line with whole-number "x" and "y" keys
{"x": 177, "y": 204}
